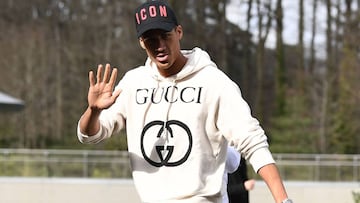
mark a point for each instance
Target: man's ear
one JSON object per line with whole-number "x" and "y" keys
{"x": 179, "y": 31}
{"x": 141, "y": 42}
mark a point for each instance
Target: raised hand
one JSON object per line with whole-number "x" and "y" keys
{"x": 101, "y": 95}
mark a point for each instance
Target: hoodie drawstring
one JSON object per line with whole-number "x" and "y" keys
{"x": 165, "y": 130}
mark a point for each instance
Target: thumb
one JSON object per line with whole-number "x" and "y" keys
{"x": 116, "y": 94}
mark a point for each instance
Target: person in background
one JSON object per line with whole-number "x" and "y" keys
{"x": 239, "y": 184}
{"x": 232, "y": 163}
{"x": 180, "y": 112}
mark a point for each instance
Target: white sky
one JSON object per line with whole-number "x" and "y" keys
{"x": 236, "y": 13}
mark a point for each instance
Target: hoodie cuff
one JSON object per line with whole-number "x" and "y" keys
{"x": 260, "y": 158}
{"x": 89, "y": 139}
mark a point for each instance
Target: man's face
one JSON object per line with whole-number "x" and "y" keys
{"x": 163, "y": 48}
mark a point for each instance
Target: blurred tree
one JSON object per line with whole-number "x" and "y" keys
{"x": 48, "y": 47}
{"x": 264, "y": 13}
{"x": 344, "y": 136}
{"x": 280, "y": 65}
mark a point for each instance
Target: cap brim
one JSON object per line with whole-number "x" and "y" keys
{"x": 167, "y": 26}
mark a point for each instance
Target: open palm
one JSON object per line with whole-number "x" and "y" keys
{"x": 101, "y": 95}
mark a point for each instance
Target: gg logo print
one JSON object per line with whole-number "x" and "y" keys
{"x": 166, "y": 143}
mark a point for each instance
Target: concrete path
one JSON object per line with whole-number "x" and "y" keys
{"x": 78, "y": 190}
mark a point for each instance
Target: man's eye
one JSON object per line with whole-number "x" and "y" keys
{"x": 166, "y": 35}
{"x": 149, "y": 40}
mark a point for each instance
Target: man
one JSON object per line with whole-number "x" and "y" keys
{"x": 180, "y": 113}
{"x": 239, "y": 184}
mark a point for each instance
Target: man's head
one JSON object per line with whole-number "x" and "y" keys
{"x": 154, "y": 15}
{"x": 159, "y": 34}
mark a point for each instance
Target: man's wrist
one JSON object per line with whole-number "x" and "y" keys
{"x": 287, "y": 200}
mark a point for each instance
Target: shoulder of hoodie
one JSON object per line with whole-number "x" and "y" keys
{"x": 137, "y": 71}
{"x": 219, "y": 82}
{"x": 135, "y": 74}
{"x": 217, "y": 77}
{"x": 210, "y": 70}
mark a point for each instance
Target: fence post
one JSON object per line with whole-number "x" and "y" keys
{"x": 85, "y": 164}
{"x": 47, "y": 163}
{"x": 355, "y": 168}
{"x": 317, "y": 167}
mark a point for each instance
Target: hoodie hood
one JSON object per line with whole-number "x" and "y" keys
{"x": 197, "y": 60}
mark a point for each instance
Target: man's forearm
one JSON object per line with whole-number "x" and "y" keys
{"x": 89, "y": 122}
{"x": 271, "y": 176}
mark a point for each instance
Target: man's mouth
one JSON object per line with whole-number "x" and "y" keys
{"x": 162, "y": 57}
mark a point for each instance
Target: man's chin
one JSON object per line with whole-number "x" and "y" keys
{"x": 163, "y": 64}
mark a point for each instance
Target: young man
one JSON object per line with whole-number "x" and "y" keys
{"x": 180, "y": 113}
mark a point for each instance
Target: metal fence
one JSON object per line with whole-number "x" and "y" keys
{"x": 64, "y": 163}
{"x": 319, "y": 167}
{"x": 115, "y": 164}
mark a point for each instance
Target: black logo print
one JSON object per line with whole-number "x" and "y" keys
{"x": 165, "y": 161}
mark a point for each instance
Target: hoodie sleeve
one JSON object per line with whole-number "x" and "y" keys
{"x": 240, "y": 128}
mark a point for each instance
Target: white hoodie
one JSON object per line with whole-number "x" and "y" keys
{"x": 178, "y": 129}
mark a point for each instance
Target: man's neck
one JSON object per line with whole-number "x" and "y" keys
{"x": 178, "y": 65}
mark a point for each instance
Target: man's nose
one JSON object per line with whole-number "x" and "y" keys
{"x": 160, "y": 41}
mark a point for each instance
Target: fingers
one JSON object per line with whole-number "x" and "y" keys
{"x": 107, "y": 73}
{"x": 106, "y": 76}
{"x": 113, "y": 77}
{"x": 99, "y": 72}
{"x": 91, "y": 78}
